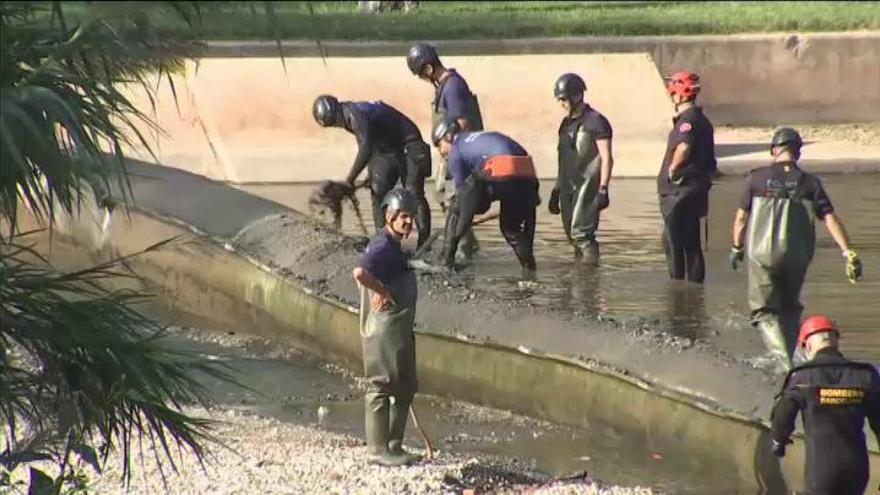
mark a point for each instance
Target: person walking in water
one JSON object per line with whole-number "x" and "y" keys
{"x": 775, "y": 225}
{"x": 585, "y": 163}
{"x": 685, "y": 179}
{"x": 389, "y": 293}
{"x": 390, "y": 147}
{"x": 454, "y": 100}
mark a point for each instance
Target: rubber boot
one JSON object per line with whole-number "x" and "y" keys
{"x": 376, "y": 423}
{"x": 776, "y": 343}
{"x": 399, "y": 413}
{"x": 469, "y": 246}
{"x": 790, "y": 320}
{"x": 589, "y": 252}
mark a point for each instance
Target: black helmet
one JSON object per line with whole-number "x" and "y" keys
{"x": 569, "y": 87}
{"x": 325, "y": 109}
{"x": 420, "y": 55}
{"x": 788, "y": 137}
{"x": 399, "y": 199}
{"x": 444, "y": 127}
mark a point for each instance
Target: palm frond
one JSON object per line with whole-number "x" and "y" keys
{"x": 85, "y": 361}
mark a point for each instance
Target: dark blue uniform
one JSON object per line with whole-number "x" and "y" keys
{"x": 454, "y": 100}
{"x": 384, "y": 258}
{"x": 472, "y": 150}
{"x": 685, "y": 198}
{"x": 391, "y": 147}
{"x": 835, "y": 396}
{"x": 477, "y": 184}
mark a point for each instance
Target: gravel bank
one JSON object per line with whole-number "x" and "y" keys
{"x": 263, "y": 455}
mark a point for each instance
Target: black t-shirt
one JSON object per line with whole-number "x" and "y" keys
{"x": 773, "y": 181}
{"x": 690, "y": 126}
{"x": 592, "y": 121}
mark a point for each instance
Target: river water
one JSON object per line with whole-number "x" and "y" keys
{"x": 631, "y": 280}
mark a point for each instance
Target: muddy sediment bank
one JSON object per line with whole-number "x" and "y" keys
{"x": 319, "y": 259}
{"x": 557, "y": 365}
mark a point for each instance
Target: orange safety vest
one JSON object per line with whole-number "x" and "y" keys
{"x": 507, "y": 166}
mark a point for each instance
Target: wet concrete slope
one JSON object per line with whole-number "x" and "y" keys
{"x": 289, "y": 278}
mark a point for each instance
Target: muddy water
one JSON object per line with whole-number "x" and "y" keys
{"x": 632, "y": 281}
{"x": 291, "y": 386}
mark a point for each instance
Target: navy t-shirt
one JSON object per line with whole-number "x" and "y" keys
{"x": 454, "y": 96}
{"x": 471, "y": 150}
{"x": 384, "y": 258}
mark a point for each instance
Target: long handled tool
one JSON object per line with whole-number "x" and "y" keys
{"x": 429, "y": 447}
{"x": 436, "y": 234}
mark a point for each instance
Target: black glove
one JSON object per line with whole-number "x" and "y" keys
{"x": 735, "y": 257}
{"x": 602, "y": 199}
{"x": 553, "y": 205}
{"x": 778, "y": 448}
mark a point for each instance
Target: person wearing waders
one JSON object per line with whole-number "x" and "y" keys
{"x": 452, "y": 99}
{"x": 387, "y": 314}
{"x": 685, "y": 179}
{"x": 585, "y": 163}
{"x": 487, "y": 167}
{"x": 834, "y": 396}
{"x": 390, "y": 147}
{"x": 778, "y": 207}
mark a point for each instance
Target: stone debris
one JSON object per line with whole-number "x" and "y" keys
{"x": 263, "y": 455}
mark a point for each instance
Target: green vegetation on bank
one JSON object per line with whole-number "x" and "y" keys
{"x": 475, "y": 20}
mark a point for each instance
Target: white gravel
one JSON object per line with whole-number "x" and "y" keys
{"x": 266, "y": 456}
{"x": 260, "y": 455}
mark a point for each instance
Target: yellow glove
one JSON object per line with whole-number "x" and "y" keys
{"x": 853, "y": 266}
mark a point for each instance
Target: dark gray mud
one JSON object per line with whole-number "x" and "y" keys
{"x": 625, "y": 315}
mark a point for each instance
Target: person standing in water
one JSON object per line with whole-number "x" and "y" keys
{"x": 585, "y": 163}
{"x": 685, "y": 179}
{"x": 454, "y": 100}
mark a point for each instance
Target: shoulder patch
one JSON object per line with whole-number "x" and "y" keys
{"x": 685, "y": 127}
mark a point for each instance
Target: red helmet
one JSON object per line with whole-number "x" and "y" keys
{"x": 814, "y": 325}
{"x": 683, "y": 83}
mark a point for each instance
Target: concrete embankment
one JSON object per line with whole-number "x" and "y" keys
{"x": 749, "y": 79}
{"x": 270, "y": 269}
{"x": 240, "y": 116}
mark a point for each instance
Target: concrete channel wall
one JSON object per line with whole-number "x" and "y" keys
{"x": 240, "y": 116}
{"x": 214, "y": 277}
{"x": 245, "y": 120}
{"x": 750, "y": 79}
